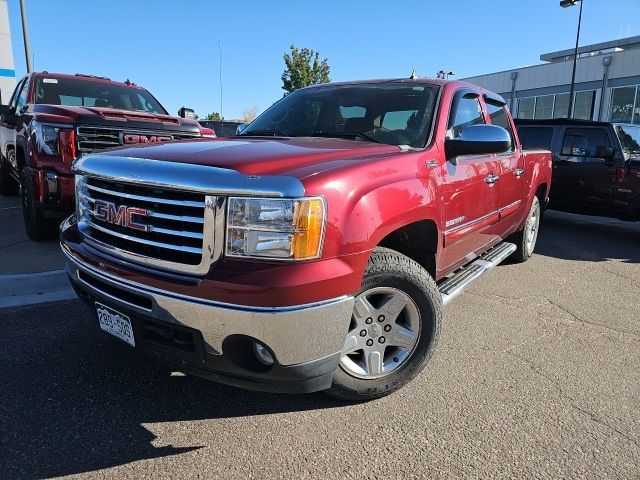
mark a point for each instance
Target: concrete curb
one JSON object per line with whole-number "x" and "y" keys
{"x": 33, "y": 288}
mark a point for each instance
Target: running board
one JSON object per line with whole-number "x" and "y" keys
{"x": 455, "y": 284}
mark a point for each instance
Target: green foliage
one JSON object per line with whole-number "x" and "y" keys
{"x": 303, "y": 68}
{"x": 214, "y": 116}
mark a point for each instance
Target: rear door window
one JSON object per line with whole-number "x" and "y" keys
{"x": 582, "y": 142}
{"x": 499, "y": 117}
{"x": 536, "y": 138}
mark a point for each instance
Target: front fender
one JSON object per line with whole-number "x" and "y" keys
{"x": 373, "y": 215}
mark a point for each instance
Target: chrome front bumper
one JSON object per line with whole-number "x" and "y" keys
{"x": 295, "y": 334}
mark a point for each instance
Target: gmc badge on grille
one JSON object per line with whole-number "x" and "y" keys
{"x": 120, "y": 215}
{"x": 128, "y": 138}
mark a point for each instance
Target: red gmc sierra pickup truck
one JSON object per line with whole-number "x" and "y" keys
{"x": 52, "y": 119}
{"x": 317, "y": 249}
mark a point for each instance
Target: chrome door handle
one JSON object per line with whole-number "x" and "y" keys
{"x": 492, "y": 179}
{"x": 519, "y": 172}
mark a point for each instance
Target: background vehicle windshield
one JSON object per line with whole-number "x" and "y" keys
{"x": 87, "y": 93}
{"x": 392, "y": 113}
{"x": 629, "y": 138}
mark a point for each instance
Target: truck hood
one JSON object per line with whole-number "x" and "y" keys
{"x": 112, "y": 117}
{"x": 297, "y": 157}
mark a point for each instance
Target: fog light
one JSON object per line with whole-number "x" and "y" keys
{"x": 52, "y": 187}
{"x": 263, "y": 355}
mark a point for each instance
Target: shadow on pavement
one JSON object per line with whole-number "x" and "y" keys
{"x": 74, "y": 400}
{"x": 595, "y": 239}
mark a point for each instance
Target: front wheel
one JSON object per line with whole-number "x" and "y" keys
{"x": 37, "y": 226}
{"x": 394, "y": 328}
{"x": 525, "y": 240}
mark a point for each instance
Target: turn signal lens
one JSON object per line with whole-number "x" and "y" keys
{"x": 277, "y": 228}
{"x": 309, "y": 222}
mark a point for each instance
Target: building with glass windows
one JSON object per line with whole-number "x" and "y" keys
{"x": 7, "y": 72}
{"x": 607, "y": 81}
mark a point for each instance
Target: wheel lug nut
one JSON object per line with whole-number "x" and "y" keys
{"x": 369, "y": 342}
{"x": 381, "y": 318}
{"x": 387, "y": 328}
{"x": 382, "y": 339}
{"x": 368, "y": 320}
{"x": 363, "y": 333}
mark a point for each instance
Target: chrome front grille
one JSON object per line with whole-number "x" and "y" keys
{"x": 154, "y": 226}
{"x": 92, "y": 139}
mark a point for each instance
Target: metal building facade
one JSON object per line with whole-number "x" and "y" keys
{"x": 607, "y": 83}
{"x": 7, "y": 69}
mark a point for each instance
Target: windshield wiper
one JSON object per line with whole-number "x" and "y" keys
{"x": 347, "y": 135}
{"x": 267, "y": 132}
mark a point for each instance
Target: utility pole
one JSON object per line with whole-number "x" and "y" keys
{"x": 25, "y": 34}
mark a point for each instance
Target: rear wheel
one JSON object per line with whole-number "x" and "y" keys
{"x": 525, "y": 240}
{"x": 8, "y": 186}
{"x": 394, "y": 328}
{"x": 37, "y": 226}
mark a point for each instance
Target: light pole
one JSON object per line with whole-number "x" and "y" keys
{"x": 25, "y": 35}
{"x": 444, "y": 75}
{"x": 566, "y": 4}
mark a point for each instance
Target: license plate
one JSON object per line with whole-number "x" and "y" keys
{"x": 115, "y": 323}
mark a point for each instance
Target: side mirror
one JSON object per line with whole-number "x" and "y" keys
{"x": 478, "y": 140}
{"x": 185, "y": 112}
{"x": 5, "y": 110}
{"x": 605, "y": 152}
{"x": 241, "y": 127}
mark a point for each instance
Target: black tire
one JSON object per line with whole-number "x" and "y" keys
{"x": 38, "y": 227}
{"x": 8, "y": 186}
{"x": 525, "y": 240}
{"x": 394, "y": 271}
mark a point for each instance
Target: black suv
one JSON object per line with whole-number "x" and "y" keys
{"x": 596, "y": 165}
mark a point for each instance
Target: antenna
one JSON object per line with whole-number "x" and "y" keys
{"x": 220, "y": 55}
{"x": 414, "y": 75}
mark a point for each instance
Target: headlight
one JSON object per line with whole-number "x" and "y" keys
{"x": 46, "y": 138}
{"x": 275, "y": 228}
{"x": 82, "y": 204}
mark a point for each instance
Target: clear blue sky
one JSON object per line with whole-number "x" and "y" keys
{"x": 171, "y": 47}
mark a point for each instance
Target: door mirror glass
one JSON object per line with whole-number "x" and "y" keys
{"x": 478, "y": 140}
{"x": 241, "y": 127}
{"x": 605, "y": 152}
{"x": 5, "y": 110}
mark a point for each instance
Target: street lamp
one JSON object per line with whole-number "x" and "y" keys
{"x": 444, "y": 75}
{"x": 566, "y": 4}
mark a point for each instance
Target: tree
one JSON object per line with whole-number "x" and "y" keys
{"x": 249, "y": 113}
{"x": 214, "y": 116}
{"x": 303, "y": 68}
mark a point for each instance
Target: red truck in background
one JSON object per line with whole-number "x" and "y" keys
{"x": 52, "y": 119}
{"x": 317, "y": 249}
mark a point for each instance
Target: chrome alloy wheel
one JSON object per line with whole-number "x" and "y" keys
{"x": 384, "y": 331}
{"x": 532, "y": 228}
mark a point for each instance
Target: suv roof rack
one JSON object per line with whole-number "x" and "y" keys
{"x": 92, "y": 76}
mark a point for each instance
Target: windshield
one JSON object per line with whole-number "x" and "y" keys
{"x": 629, "y": 138}
{"x": 87, "y": 93}
{"x": 391, "y": 113}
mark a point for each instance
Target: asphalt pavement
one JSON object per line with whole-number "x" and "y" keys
{"x": 537, "y": 375}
